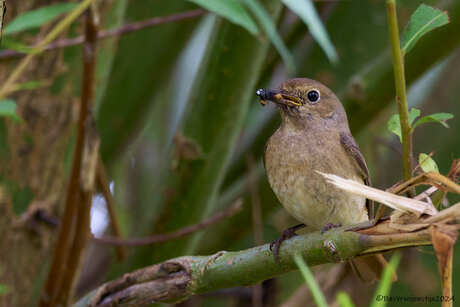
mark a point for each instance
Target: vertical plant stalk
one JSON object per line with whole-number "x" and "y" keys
{"x": 82, "y": 228}
{"x": 88, "y": 167}
{"x": 74, "y": 229}
{"x": 102, "y": 182}
{"x": 400, "y": 84}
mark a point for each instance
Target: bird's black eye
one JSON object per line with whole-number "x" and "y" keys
{"x": 313, "y": 96}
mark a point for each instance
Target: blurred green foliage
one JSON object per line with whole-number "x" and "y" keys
{"x": 179, "y": 120}
{"x": 36, "y": 18}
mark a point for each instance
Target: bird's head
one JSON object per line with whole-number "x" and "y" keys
{"x": 304, "y": 102}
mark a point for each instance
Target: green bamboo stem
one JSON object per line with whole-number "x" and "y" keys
{"x": 400, "y": 84}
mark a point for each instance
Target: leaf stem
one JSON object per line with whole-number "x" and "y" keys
{"x": 400, "y": 84}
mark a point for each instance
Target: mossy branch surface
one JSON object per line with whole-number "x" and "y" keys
{"x": 179, "y": 278}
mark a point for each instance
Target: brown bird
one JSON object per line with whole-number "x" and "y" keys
{"x": 314, "y": 136}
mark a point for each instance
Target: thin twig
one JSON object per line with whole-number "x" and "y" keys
{"x": 127, "y": 28}
{"x": 175, "y": 234}
{"x": 430, "y": 178}
{"x": 400, "y": 84}
{"x": 103, "y": 186}
{"x": 62, "y": 251}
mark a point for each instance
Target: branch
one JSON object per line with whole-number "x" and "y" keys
{"x": 127, "y": 28}
{"x": 171, "y": 235}
{"x": 400, "y": 84}
{"x": 177, "y": 279}
{"x": 74, "y": 231}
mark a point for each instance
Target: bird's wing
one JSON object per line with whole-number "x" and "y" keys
{"x": 349, "y": 143}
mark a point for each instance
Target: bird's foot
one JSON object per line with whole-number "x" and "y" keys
{"x": 288, "y": 233}
{"x": 330, "y": 226}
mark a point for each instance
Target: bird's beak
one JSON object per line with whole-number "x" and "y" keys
{"x": 278, "y": 97}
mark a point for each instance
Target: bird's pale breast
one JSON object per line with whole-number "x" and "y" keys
{"x": 291, "y": 158}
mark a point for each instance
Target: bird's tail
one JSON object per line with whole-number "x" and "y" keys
{"x": 370, "y": 268}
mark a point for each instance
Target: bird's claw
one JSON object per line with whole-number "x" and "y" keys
{"x": 288, "y": 233}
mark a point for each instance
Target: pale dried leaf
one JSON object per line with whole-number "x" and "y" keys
{"x": 391, "y": 200}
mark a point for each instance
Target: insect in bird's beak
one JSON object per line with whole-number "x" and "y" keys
{"x": 262, "y": 95}
{"x": 277, "y": 97}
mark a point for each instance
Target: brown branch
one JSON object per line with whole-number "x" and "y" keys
{"x": 177, "y": 279}
{"x": 87, "y": 170}
{"x": 82, "y": 228}
{"x": 430, "y": 178}
{"x": 127, "y": 28}
{"x": 68, "y": 250}
{"x": 103, "y": 186}
{"x": 109, "y": 240}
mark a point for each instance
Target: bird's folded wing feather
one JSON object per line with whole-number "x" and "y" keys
{"x": 349, "y": 143}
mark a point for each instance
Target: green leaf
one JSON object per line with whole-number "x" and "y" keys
{"x": 423, "y": 20}
{"x": 231, "y": 10}
{"x": 427, "y": 163}
{"x": 413, "y": 114}
{"x": 36, "y": 18}
{"x": 384, "y": 286}
{"x": 344, "y": 300}
{"x": 8, "y": 109}
{"x": 4, "y": 289}
{"x": 119, "y": 123}
{"x": 269, "y": 27}
{"x": 434, "y": 118}
{"x": 307, "y": 12}
{"x": 318, "y": 296}
{"x": 394, "y": 126}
